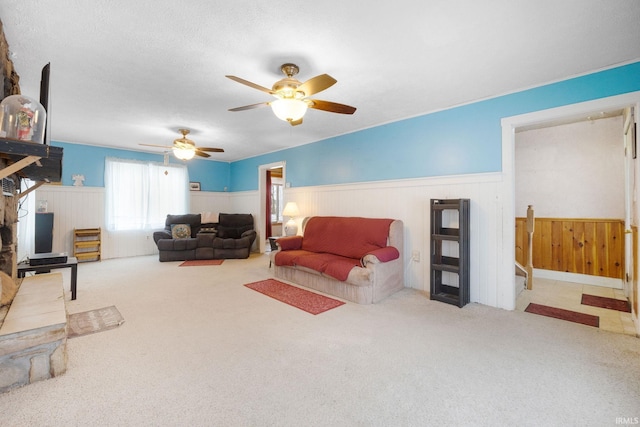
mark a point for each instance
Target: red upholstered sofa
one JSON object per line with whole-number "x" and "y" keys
{"x": 353, "y": 258}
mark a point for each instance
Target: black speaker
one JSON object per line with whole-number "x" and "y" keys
{"x": 44, "y": 233}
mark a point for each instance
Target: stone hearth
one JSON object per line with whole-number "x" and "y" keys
{"x": 33, "y": 337}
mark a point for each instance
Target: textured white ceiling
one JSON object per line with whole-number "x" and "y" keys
{"x": 128, "y": 72}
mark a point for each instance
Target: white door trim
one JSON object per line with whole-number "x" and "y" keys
{"x": 262, "y": 191}
{"x": 506, "y": 287}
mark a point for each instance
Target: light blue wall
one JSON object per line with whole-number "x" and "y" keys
{"x": 460, "y": 140}
{"x": 89, "y": 161}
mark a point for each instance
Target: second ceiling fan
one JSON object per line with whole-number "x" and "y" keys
{"x": 184, "y": 148}
{"x": 292, "y": 96}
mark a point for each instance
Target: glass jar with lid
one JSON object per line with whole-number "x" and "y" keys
{"x": 22, "y": 118}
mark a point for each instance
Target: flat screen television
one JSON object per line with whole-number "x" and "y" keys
{"x": 44, "y": 99}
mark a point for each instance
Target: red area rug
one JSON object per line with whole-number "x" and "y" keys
{"x": 559, "y": 313}
{"x": 199, "y": 262}
{"x": 604, "y": 302}
{"x": 299, "y": 298}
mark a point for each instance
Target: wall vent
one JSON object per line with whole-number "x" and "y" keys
{"x": 8, "y": 187}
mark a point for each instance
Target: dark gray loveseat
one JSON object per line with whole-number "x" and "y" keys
{"x": 233, "y": 238}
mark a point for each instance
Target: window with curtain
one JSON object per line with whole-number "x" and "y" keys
{"x": 139, "y": 194}
{"x": 276, "y": 202}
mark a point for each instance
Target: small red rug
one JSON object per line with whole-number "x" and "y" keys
{"x": 198, "y": 262}
{"x": 608, "y": 303}
{"x": 299, "y": 298}
{"x": 559, "y": 313}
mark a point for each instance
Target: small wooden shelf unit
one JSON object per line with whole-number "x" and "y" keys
{"x": 450, "y": 251}
{"x": 87, "y": 244}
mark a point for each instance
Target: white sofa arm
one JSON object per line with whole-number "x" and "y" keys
{"x": 386, "y": 254}
{"x": 370, "y": 259}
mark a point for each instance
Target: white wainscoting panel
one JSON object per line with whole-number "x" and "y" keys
{"x": 409, "y": 200}
{"x": 72, "y": 207}
{"x": 83, "y": 207}
{"x": 206, "y": 201}
{"x": 248, "y": 202}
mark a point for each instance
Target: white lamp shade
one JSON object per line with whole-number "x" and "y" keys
{"x": 289, "y": 110}
{"x": 291, "y": 209}
{"x": 184, "y": 153}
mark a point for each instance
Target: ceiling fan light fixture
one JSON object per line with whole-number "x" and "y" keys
{"x": 185, "y": 149}
{"x": 292, "y": 96}
{"x": 184, "y": 153}
{"x": 289, "y": 110}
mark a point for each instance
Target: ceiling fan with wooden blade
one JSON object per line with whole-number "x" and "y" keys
{"x": 293, "y": 96}
{"x": 184, "y": 148}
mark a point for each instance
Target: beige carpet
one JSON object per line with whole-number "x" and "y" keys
{"x": 200, "y": 349}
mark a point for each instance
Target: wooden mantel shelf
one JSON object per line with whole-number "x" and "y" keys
{"x": 37, "y": 162}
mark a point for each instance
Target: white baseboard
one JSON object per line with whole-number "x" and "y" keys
{"x": 520, "y": 285}
{"x": 606, "y": 282}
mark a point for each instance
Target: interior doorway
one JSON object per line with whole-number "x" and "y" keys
{"x": 264, "y": 190}
{"x": 274, "y": 204}
{"x": 571, "y": 174}
{"x": 631, "y": 206}
{"x": 509, "y": 125}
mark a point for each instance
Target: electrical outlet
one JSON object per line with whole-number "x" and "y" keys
{"x": 415, "y": 256}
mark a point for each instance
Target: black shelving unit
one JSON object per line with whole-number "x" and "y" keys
{"x": 450, "y": 236}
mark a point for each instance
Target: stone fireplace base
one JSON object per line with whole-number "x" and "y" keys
{"x": 33, "y": 337}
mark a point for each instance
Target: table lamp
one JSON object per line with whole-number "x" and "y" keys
{"x": 291, "y": 210}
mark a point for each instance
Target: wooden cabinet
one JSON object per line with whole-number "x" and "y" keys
{"x": 450, "y": 251}
{"x": 87, "y": 244}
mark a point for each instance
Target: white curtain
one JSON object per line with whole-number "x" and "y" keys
{"x": 139, "y": 195}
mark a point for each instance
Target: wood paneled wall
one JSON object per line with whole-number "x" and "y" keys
{"x": 575, "y": 245}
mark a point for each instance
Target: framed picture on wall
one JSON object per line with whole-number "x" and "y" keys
{"x": 194, "y": 186}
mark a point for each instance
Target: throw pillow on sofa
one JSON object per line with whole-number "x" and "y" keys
{"x": 193, "y": 220}
{"x": 180, "y": 231}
